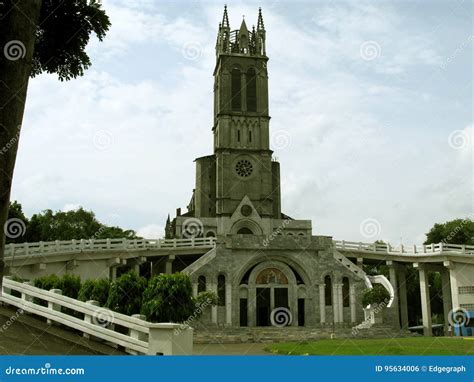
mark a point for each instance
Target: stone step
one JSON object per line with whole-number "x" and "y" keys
{"x": 248, "y": 335}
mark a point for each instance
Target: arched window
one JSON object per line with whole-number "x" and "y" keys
{"x": 238, "y": 135}
{"x": 250, "y": 136}
{"x": 345, "y": 292}
{"x": 251, "y": 90}
{"x": 221, "y": 289}
{"x": 328, "y": 290}
{"x": 236, "y": 86}
{"x": 201, "y": 284}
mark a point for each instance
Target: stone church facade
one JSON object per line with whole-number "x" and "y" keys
{"x": 264, "y": 260}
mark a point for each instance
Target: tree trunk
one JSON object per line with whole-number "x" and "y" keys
{"x": 18, "y": 21}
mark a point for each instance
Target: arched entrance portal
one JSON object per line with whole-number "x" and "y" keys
{"x": 271, "y": 287}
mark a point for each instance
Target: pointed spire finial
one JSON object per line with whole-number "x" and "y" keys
{"x": 225, "y": 18}
{"x": 260, "y": 25}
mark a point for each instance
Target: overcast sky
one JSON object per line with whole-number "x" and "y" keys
{"x": 371, "y": 106}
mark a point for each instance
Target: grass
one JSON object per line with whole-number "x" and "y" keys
{"x": 380, "y": 346}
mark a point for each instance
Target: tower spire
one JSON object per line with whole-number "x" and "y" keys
{"x": 225, "y": 18}
{"x": 260, "y": 25}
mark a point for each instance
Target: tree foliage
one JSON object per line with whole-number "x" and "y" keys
{"x": 457, "y": 231}
{"x": 169, "y": 298}
{"x": 76, "y": 224}
{"x": 63, "y": 31}
{"x": 125, "y": 295}
{"x": 376, "y": 295}
{"x": 97, "y": 290}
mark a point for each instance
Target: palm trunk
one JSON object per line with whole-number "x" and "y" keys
{"x": 17, "y": 39}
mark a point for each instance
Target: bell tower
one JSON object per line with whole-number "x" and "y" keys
{"x": 244, "y": 165}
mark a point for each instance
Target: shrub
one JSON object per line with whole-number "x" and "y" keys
{"x": 85, "y": 292}
{"x": 169, "y": 298}
{"x": 125, "y": 294}
{"x": 205, "y": 299}
{"x": 47, "y": 282}
{"x": 376, "y": 295}
{"x": 70, "y": 285}
{"x": 95, "y": 290}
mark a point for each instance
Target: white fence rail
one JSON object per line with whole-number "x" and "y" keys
{"x": 435, "y": 249}
{"x": 90, "y": 245}
{"x": 140, "y": 337}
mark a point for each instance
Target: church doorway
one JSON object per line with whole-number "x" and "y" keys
{"x": 271, "y": 287}
{"x": 270, "y": 299}
{"x": 263, "y": 306}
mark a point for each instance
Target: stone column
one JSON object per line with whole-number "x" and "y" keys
{"x": 169, "y": 264}
{"x": 228, "y": 304}
{"x": 113, "y": 273}
{"x": 252, "y": 306}
{"x": 402, "y": 294}
{"x": 393, "y": 280}
{"x": 425, "y": 300}
{"x": 447, "y": 300}
{"x": 335, "y": 302}
{"x": 352, "y": 302}
{"x": 340, "y": 303}
{"x": 454, "y": 284}
{"x": 322, "y": 303}
{"x": 213, "y": 288}
{"x": 195, "y": 289}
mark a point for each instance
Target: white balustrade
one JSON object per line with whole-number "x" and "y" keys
{"x": 98, "y": 245}
{"x": 98, "y": 322}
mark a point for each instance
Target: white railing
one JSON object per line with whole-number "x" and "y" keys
{"x": 440, "y": 248}
{"x": 142, "y": 337}
{"x": 93, "y": 245}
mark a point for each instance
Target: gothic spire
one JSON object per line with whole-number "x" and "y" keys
{"x": 225, "y": 18}
{"x": 260, "y": 25}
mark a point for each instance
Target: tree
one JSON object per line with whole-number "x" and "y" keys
{"x": 169, "y": 298}
{"x": 457, "y": 231}
{"x": 125, "y": 294}
{"x": 49, "y": 226}
{"x": 37, "y": 36}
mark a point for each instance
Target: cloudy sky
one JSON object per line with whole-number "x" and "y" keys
{"x": 371, "y": 106}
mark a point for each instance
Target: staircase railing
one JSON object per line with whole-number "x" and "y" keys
{"x": 97, "y": 322}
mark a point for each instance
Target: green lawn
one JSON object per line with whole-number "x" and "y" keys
{"x": 382, "y": 346}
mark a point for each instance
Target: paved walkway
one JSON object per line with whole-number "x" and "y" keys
{"x": 230, "y": 349}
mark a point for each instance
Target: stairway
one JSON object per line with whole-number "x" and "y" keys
{"x": 203, "y": 260}
{"x": 229, "y": 335}
{"x": 368, "y": 280}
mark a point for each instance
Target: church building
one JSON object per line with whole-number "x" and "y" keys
{"x": 264, "y": 260}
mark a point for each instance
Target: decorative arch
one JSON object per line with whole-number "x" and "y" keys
{"x": 255, "y": 262}
{"x": 264, "y": 268}
{"x": 248, "y": 224}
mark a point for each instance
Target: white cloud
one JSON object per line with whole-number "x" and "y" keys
{"x": 363, "y": 142}
{"x": 152, "y": 231}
